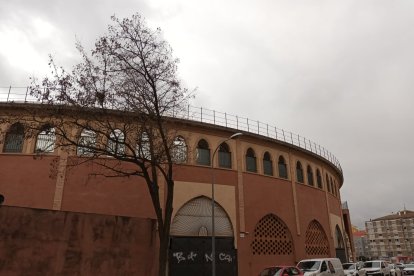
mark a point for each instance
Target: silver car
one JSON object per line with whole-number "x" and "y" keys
{"x": 353, "y": 269}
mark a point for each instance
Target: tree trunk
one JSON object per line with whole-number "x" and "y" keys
{"x": 163, "y": 254}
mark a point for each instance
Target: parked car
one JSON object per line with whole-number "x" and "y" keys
{"x": 353, "y": 269}
{"x": 376, "y": 268}
{"x": 395, "y": 270}
{"x": 400, "y": 266}
{"x": 322, "y": 267}
{"x": 281, "y": 271}
{"x": 408, "y": 269}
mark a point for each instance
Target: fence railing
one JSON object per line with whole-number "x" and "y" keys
{"x": 203, "y": 115}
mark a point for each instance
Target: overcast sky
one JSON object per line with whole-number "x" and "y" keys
{"x": 337, "y": 72}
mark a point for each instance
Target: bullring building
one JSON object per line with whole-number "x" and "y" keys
{"x": 277, "y": 201}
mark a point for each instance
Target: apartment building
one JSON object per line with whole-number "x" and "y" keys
{"x": 391, "y": 235}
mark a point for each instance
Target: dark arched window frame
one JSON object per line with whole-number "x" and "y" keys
{"x": 224, "y": 156}
{"x": 283, "y": 173}
{"x": 299, "y": 172}
{"x": 267, "y": 164}
{"x": 14, "y": 140}
{"x": 327, "y": 183}
{"x": 318, "y": 178}
{"x": 86, "y": 143}
{"x": 179, "y": 150}
{"x": 310, "y": 176}
{"x": 331, "y": 184}
{"x": 45, "y": 140}
{"x": 251, "y": 165}
{"x": 116, "y": 142}
{"x": 203, "y": 153}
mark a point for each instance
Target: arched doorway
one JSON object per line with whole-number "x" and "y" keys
{"x": 340, "y": 245}
{"x": 190, "y": 247}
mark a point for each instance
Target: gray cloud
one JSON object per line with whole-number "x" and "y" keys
{"x": 337, "y": 72}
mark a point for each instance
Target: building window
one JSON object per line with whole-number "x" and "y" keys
{"x": 267, "y": 164}
{"x": 318, "y": 178}
{"x": 87, "y": 143}
{"x": 45, "y": 140}
{"x": 282, "y": 168}
{"x": 143, "y": 149}
{"x": 116, "y": 142}
{"x": 179, "y": 150}
{"x": 14, "y": 139}
{"x": 327, "y": 183}
{"x": 299, "y": 172}
{"x": 203, "y": 153}
{"x": 251, "y": 161}
{"x": 332, "y": 188}
{"x": 310, "y": 175}
{"x": 224, "y": 156}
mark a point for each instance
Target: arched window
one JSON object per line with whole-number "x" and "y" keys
{"x": 327, "y": 183}
{"x": 14, "y": 138}
{"x": 282, "y": 168}
{"x": 143, "y": 146}
{"x": 224, "y": 156}
{"x": 332, "y": 189}
{"x": 116, "y": 142}
{"x": 203, "y": 153}
{"x": 310, "y": 175}
{"x": 299, "y": 172}
{"x": 267, "y": 164}
{"x": 179, "y": 150}
{"x": 336, "y": 189}
{"x": 251, "y": 161}
{"x": 339, "y": 239}
{"x": 87, "y": 143}
{"x": 45, "y": 140}
{"x": 318, "y": 178}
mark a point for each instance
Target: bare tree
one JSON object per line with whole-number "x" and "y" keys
{"x": 117, "y": 103}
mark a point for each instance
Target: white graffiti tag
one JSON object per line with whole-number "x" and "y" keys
{"x": 179, "y": 256}
{"x": 225, "y": 257}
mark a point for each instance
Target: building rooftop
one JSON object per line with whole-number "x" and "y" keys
{"x": 398, "y": 215}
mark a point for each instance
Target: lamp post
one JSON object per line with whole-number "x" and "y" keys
{"x": 213, "y": 231}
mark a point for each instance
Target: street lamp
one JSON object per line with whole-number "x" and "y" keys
{"x": 213, "y": 232}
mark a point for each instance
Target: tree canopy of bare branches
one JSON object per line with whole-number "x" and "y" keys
{"x": 115, "y": 103}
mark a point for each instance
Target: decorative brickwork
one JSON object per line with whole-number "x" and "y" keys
{"x": 316, "y": 243}
{"x": 272, "y": 237}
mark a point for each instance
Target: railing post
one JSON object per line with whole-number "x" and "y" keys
{"x": 267, "y": 129}
{"x": 201, "y": 114}
{"x": 304, "y": 140}
{"x": 276, "y": 132}
{"x": 25, "y": 97}
{"x": 258, "y": 127}
{"x": 225, "y": 118}
{"x": 284, "y": 137}
{"x": 188, "y": 112}
{"x": 298, "y": 140}
{"x": 214, "y": 116}
{"x": 8, "y": 95}
{"x": 237, "y": 122}
{"x": 248, "y": 128}
{"x": 291, "y": 138}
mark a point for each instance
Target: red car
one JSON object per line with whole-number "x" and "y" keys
{"x": 281, "y": 270}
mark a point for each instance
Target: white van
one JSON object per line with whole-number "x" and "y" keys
{"x": 322, "y": 267}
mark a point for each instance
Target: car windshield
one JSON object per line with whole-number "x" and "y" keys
{"x": 271, "y": 271}
{"x": 409, "y": 266}
{"x": 309, "y": 265}
{"x": 372, "y": 265}
{"x": 348, "y": 266}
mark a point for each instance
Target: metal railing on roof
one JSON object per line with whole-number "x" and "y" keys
{"x": 203, "y": 115}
